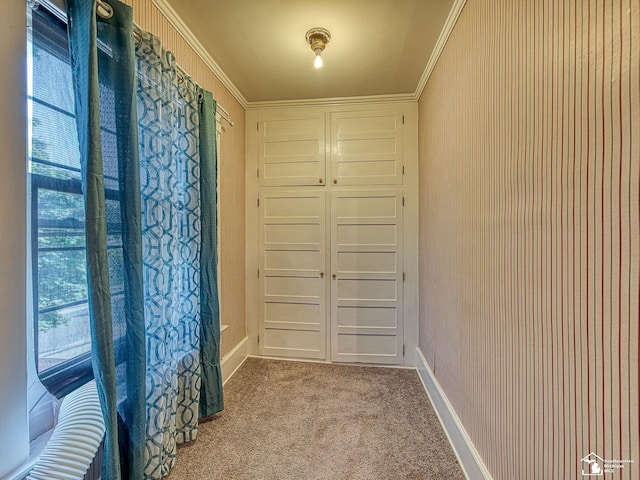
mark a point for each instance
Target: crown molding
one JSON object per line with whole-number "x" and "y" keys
{"x": 172, "y": 16}
{"x": 454, "y": 13}
{"x": 308, "y": 102}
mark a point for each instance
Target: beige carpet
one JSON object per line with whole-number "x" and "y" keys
{"x": 305, "y": 421}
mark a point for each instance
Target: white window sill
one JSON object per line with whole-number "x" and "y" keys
{"x": 36, "y": 448}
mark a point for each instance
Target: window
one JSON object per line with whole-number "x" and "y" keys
{"x": 60, "y": 307}
{"x": 62, "y": 340}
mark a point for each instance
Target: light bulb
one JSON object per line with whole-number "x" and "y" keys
{"x": 318, "y": 61}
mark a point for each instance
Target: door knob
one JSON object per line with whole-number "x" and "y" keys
{"x": 321, "y": 274}
{"x": 334, "y": 276}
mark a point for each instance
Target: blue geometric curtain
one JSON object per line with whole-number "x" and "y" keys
{"x": 169, "y": 128}
{"x": 147, "y": 141}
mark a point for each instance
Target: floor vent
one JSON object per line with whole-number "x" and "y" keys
{"x": 74, "y": 451}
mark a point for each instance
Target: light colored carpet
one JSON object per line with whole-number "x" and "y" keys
{"x": 306, "y": 421}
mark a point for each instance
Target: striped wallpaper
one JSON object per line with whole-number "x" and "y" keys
{"x": 231, "y": 190}
{"x": 529, "y": 144}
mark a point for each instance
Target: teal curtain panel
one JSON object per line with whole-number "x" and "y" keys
{"x": 104, "y": 86}
{"x": 211, "y": 400}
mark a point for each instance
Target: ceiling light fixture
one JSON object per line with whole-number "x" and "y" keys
{"x": 317, "y": 38}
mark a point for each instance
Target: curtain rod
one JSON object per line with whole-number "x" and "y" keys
{"x": 58, "y": 8}
{"x": 220, "y": 110}
{"x": 224, "y": 114}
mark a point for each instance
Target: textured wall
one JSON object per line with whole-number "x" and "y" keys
{"x": 232, "y": 171}
{"x": 529, "y": 232}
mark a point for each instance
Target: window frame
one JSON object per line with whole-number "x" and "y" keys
{"x": 66, "y": 376}
{"x": 74, "y": 372}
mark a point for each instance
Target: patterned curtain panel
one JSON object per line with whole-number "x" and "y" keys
{"x": 171, "y": 234}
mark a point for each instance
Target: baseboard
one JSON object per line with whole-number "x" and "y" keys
{"x": 329, "y": 362}
{"x": 469, "y": 459}
{"x": 232, "y": 360}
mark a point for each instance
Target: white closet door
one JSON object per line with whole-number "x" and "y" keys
{"x": 366, "y": 147}
{"x": 291, "y": 276}
{"x": 366, "y": 277}
{"x": 292, "y": 149}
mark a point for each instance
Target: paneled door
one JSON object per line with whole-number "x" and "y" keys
{"x": 291, "y": 149}
{"x": 366, "y": 276}
{"x": 291, "y": 276}
{"x": 366, "y": 147}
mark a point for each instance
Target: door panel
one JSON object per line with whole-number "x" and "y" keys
{"x": 278, "y": 287}
{"x": 372, "y": 236}
{"x": 366, "y": 280}
{"x": 290, "y": 261}
{"x": 369, "y": 317}
{"x": 280, "y": 235}
{"x": 367, "y": 262}
{"x": 366, "y": 209}
{"x": 366, "y": 147}
{"x": 356, "y": 170}
{"x": 360, "y": 290}
{"x": 283, "y": 315}
{"x": 292, "y": 209}
{"x": 293, "y": 343}
{"x": 367, "y": 347}
{"x": 291, "y": 278}
{"x": 291, "y": 149}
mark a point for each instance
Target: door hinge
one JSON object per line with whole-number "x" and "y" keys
{"x": 403, "y": 119}
{"x": 403, "y": 169}
{"x": 257, "y": 126}
{"x": 403, "y": 349}
{"x": 258, "y": 201}
{"x": 403, "y": 201}
{"x": 258, "y": 339}
{"x": 258, "y": 273}
{"x": 258, "y": 172}
{"x": 404, "y": 276}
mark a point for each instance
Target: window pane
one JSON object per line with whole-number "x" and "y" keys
{"x": 58, "y": 248}
{"x": 61, "y": 209}
{"x": 62, "y": 309}
{"x": 54, "y": 144}
{"x": 63, "y": 335}
{"x": 57, "y": 220}
{"x": 62, "y": 279}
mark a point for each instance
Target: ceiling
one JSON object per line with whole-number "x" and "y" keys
{"x": 377, "y": 47}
